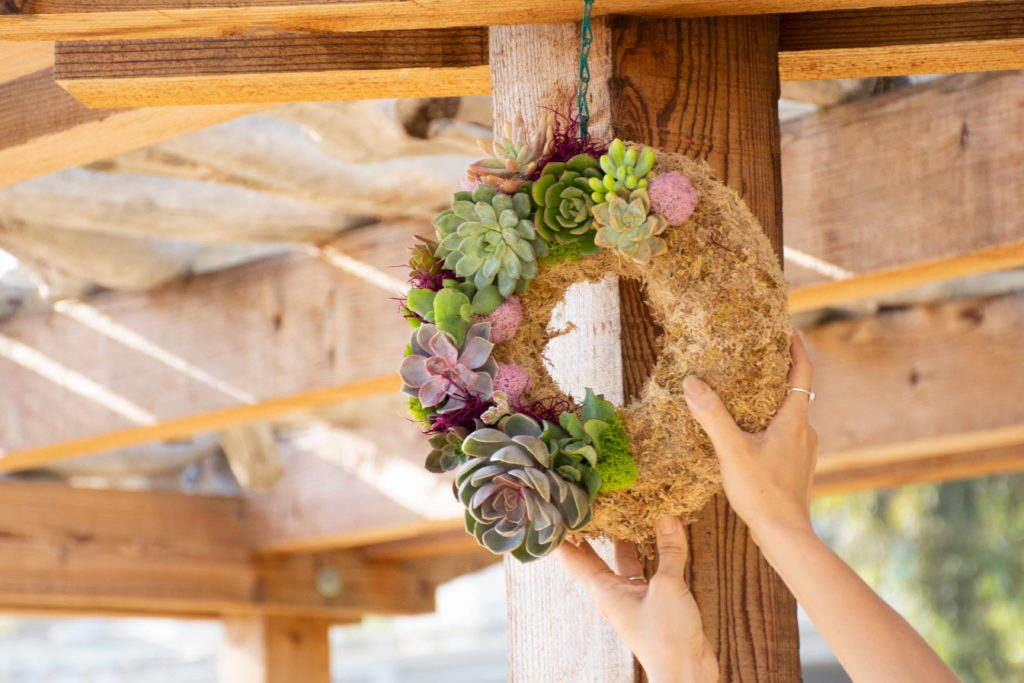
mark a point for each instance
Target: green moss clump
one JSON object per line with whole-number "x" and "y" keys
{"x": 617, "y": 468}
{"x": 560, "y": 253}
{"x": 418, "y": 413}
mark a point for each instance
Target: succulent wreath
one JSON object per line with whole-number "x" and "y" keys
{"x": 547, "y": 209}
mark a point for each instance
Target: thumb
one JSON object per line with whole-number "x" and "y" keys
{"x": 673, "y": 549}
{"x": 712, "y": 415}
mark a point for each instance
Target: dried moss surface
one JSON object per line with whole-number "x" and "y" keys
{"x": 720, "y": 296}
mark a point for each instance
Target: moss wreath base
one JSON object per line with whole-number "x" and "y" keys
{"x": 529, "y": 474}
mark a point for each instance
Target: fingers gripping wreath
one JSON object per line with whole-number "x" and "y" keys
{"x": 548, "y": 210}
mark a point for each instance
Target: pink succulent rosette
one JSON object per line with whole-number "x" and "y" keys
{"x": 444, "y": 377}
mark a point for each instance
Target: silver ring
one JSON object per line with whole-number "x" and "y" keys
{"x": 637, "y": 578}
{"x": 811, "y": 393}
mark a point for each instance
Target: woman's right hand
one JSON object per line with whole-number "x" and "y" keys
{"x": 767, "y": 476}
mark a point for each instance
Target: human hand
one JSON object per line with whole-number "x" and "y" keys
{"x": 659, "y": 620}
{"x": 767, "y": 476}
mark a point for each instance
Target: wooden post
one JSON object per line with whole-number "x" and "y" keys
{"x": 707, "y": 88}
{"x": 275, "y": 650}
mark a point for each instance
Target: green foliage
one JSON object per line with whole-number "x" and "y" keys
{"x": 625, "y": 170}
{"x": 453, "y": 307}
{"x": 489, "y": 238}
{"x": 562, "y": 194}
{"x": 616, "y": 466}
{"x": 948, "y": 557}
{"x": 561, "y": 253}
{"x": 418, "y": 413}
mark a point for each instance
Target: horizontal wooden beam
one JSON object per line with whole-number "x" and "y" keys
{"x": 917, "y": 394}
{"x": 441, "y": 62}
{"x": 123, "y": 19}
{"x": 898, "y": 41}
{"x": 43, "y": 129}
{"x": 246, "y": 344}
{"x": 903, "y": 189}
{"x": 289, "y": 68}
{"x": 154, "y": 553}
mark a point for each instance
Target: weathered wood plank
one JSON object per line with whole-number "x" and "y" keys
{"x": 83, "y": 550}
{"x": 894, "y": 215}
{"x": 910, "y": 386}
{"x": 127, "y": 19}
{"x": 274, "y": 336}
{"x": 288, "y": 68}
{"x": 44, "y": 129}
{"x": 367, "y": 63}
{"x": 897, "y": 41}
{"x": 729, "y": 117}
{"x": 545, "y": 605}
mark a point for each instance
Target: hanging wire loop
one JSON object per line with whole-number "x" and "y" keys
{"x": 582, "y": 88}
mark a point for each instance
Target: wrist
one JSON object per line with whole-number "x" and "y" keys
{"x": 774, "y": 532}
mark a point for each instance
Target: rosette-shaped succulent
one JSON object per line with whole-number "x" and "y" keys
{"x": 514, "y": 156}
{"x": 514, "y": 502}
{"x": 489, "y": 237}
{"x": 446, "y": 450}
{"x": 563, "y": 197}
{"x": 630, "y": 227}
{"x": 624, "y": 169}
{"x": 445, "y": 377}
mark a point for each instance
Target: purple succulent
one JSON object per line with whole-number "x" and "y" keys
{"x": 445, "y": 377}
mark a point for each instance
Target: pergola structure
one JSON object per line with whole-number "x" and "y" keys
{"x": 81, "y": 82}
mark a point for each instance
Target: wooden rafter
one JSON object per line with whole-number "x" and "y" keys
{"x": 450, "y": 61}
{"x": 43, "y": 129}
{"x": 903, "y": 189}
{"x": 113, "y": 19}
{"x": 289, "y": 68}
{"x": 152, "y": 553}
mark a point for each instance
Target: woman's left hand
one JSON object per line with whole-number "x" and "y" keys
{"x": 659, "y": 620}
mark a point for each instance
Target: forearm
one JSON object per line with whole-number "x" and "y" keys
{"x": 872, "y": 641}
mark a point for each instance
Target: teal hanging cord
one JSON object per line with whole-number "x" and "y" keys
{"x": 586, "y": 38}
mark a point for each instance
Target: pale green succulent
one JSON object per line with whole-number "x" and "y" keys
{"x": 624, "y": 169}
{"x": 630, "y": 227}
{"x": 563, "y": 197}
{"x": 515, "y": 501}
{"x": 514, "y": 156}
{"x": 488, "y": 237}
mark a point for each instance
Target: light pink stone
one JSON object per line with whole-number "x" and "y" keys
{"x": 505, "y": 320}
{"x": 673, "y": 196}
{"x": 513, "y": 380}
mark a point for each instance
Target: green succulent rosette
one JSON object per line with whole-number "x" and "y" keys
{"x": 563, "y": 197}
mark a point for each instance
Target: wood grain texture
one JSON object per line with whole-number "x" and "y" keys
{"x": 708, "y": 88}
{"x": 44, "y": 129}
{"x": 894, "y": 215}
{"x": 887, "y": 384}
{"x": 274, "y": 650}
{"x": 22, "y": 59}
{"x": 902, "y": 40}
{"x": 127, "y": 19}
{"x": 282, "y": 68}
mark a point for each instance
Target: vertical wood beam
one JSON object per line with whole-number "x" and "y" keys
{"x": 708, "y": 88}
{"x": 275, "y": 650}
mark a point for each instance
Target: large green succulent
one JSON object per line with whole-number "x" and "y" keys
{"x": 563, "y": 197}
{"x": 489, "y": 237}
{"x": 630, "y": 227}
{"x": 515, "y": 501}
{"x": 624, "y": 169}
{"x": 452, "y": 307}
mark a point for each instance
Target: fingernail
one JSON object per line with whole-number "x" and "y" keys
{"x": 696, "y": 392}
{"x": 668, "y": 525}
